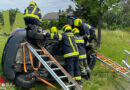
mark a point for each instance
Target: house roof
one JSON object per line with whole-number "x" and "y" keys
{"x": 51, "y": 16}
{"x": 55, "y": 15}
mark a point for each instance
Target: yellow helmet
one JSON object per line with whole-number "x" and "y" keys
{"x": 54, "y": 30}
{"x": 32, "y": 3}
{"x": 78, "y": 22}
{"x": 75, "y": 30}
{"x": 67, "y": 27}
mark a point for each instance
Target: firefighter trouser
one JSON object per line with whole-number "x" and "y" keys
{"x": 93, "y": 46}
{"x": 83, "y": 66}
{"x": 72, "y": 67}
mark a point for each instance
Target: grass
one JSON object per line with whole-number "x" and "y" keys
{"x": 112, "y": 46}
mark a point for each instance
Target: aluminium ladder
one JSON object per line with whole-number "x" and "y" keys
{"x": 52, "y": 70}
{"x": 125, "y": 61}
{"x": 114, "y": 66}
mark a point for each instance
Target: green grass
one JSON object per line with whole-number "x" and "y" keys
{"x": 112, "y": 46}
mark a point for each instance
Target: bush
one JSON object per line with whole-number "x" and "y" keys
{"x": 45, "y": 24}
{"x": 1, "y": 26}
{"x": 127, "y": 28}
{"x": 104, "y": 26}
{"x": 53, "y": 23}
{"x": 48, "y": 24}
{"x": 113, "y": 27}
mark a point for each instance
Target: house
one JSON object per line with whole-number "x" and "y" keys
{"x": 57, "y": 15}
{"x": 51, "y": 16}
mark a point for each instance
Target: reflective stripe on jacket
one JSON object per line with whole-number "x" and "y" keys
{"x": 33, "y": 11}
{"x": 81, "y": 47}
{"x": 69, "y": 46}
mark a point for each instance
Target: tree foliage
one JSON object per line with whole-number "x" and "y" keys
{"x": 48, "y": 24}
{"x": 62, "y": 20}
{"x": 1, "y": 18}
{"x": 45, "y": 24}
{"x": 126, "y": 13}
{"x": 12, "y": 14}
{"x": 119, "y": 20}
{"x": 91, "y": 9}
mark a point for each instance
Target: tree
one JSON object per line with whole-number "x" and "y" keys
{"x": 98, "y": 8}
{"x": 1, "y": 18}
{"x": 62, "y": 20}
{"x": 126, "y": 13}
{"x": 120, "y": 19}
{"x": 126, "y": 5}
{"x": 84, "y": 13}
{"x": 12, "y": 14}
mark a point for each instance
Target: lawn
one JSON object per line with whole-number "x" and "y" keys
{"x": 112, "y": 46}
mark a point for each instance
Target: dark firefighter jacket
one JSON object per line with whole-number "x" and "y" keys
{"x": 33, "y": 11}
{"x": 87, "y": 30}
{"x": 69, "y": 46}
{"x": 81, "y": 47}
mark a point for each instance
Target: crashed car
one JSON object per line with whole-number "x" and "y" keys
{"x": 12, "y": 59}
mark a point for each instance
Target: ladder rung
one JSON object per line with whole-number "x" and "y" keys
{"x": 110, "y": 64}
{"x": 56, "y": 68}
{"x": 71, "y": 85}
{"x": 38, "y": 50}
{"x": 43, "y": 55}
{"x": 127, "y": 52}
{"x": 98, "y": 57}
{"x": 126, "y": 72}
{"x": 49, "y": 62}
{"x": 104, "y": 60}
{"x": 62, "y": 76}
{"x": 118, "y": 68}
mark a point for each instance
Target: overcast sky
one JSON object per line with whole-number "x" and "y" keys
{"x": 46, "y": 6}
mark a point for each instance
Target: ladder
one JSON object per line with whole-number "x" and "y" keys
{"x": 125, "y": 61}
{"x": 114, "y": 66}
{"x": 52, "y": 70}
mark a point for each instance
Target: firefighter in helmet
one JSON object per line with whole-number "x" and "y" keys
{"x": 32, "y": 18}
{"x": 88, "y": 31}
{"x": 53, "y": 30}
{"x": 85, "y": 71}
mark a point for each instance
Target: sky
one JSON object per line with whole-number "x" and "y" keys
{"x": 46, "y": 6}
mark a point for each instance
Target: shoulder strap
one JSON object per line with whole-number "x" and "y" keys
{"x": 35, "y": 8}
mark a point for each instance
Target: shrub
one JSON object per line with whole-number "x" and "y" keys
{"x": 104, "y": 26}
{"x": 48, "y": 24}
{"x": 53, "y": 23}
{"x": 113, "y": 27}
{"x": 127, "y": 28}
{"x": 1, "y": 26}
{"x": 45, "y": 24}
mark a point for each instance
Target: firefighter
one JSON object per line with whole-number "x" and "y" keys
{"x": 53, "y": 30}
{"x": 85, "y": 71}
{"x": 32, "y": 17}
{"x": 54, "y": 43}
{"x": 88, "y": 31}
{"x": 70, "y": 52}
